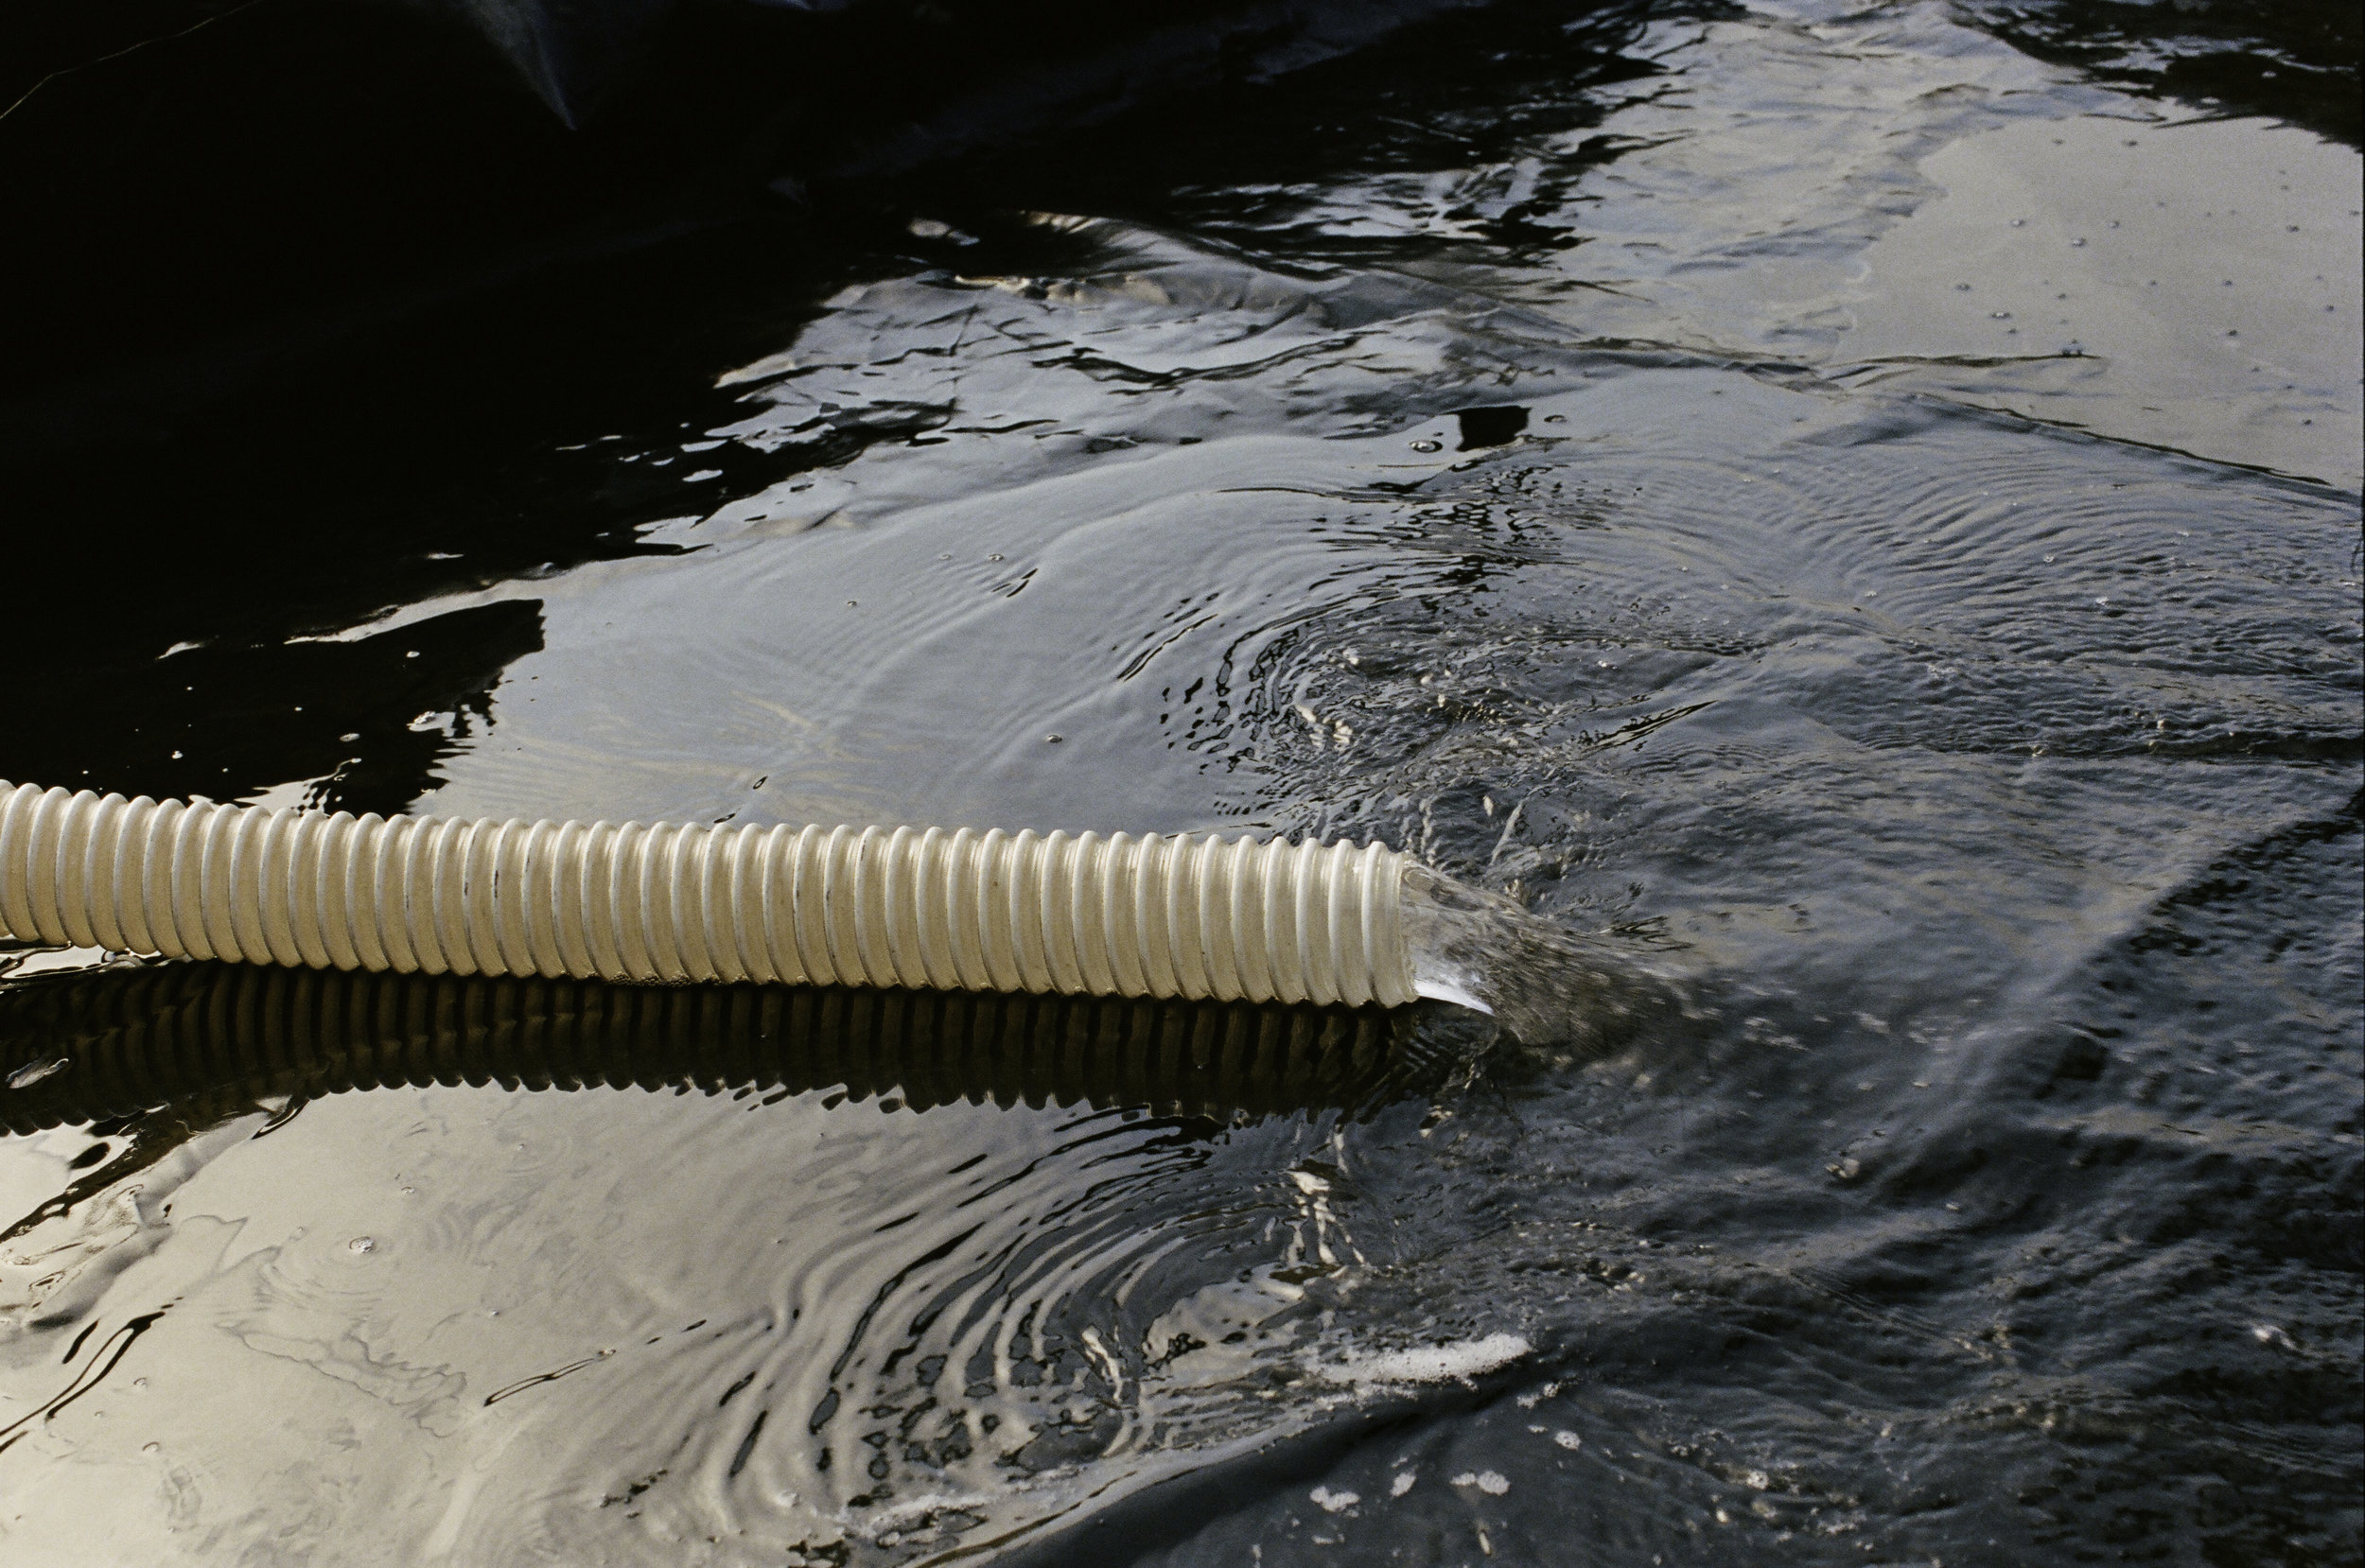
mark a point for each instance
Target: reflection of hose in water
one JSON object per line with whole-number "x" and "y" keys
{"x": 213, "y": 1040}
{"x": 1120, "y": 915}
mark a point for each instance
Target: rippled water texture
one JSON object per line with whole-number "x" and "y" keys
{"x": 1849, "y": 516}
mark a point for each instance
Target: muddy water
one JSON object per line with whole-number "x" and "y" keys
{"x": 1845, "y": 514}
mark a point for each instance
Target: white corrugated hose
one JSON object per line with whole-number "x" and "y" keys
{"x": 1191, "y": 916}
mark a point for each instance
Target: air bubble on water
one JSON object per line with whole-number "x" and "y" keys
{"x": 1426, "y": 446}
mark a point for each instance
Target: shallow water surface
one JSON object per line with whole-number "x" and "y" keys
{"x": 1849, "y": 515}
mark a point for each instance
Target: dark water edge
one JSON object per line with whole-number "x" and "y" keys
{"x": 1846, "y": 519}
{"x": 2293, "y": 62}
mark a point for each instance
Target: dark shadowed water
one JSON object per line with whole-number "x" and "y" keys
{"x": 1849, "y": 515}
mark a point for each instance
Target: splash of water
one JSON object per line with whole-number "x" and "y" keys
{"x": 1543, "y": 983}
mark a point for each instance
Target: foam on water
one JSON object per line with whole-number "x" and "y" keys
{"x": 1449, "y": 1363}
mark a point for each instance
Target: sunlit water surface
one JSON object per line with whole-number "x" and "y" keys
{"x": 1856, "y": 525}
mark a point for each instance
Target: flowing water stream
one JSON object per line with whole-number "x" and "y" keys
{"x": 1849, "y": 516}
